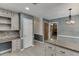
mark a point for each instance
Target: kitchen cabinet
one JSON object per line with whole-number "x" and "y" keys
{"x": 65, "y": 52}
{"x": 49, "y": 50}
{"x": 13, "y": 24}
{"x": 5, "y": 13}
{"x": 9, "y": 23}
{"x": 16, "y": 45}
{"x": 72, "y": 53}
{"x": 62, "y": 52}
{"x": 15, "y": 21}
{"x": 52, "y": 50}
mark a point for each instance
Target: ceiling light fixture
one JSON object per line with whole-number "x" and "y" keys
{"x": 34, "y": 3}
{"x": 27, "y": 8}
{"x": 70, "y": 21}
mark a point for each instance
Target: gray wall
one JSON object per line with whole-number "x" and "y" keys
{"x": 66, "y": 29}
{"x": 71, "y": 30}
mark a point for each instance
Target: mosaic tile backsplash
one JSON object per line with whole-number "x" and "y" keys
{"x": 9, "y": 34}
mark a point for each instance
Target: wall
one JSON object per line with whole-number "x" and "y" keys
{"x": 68, "y": 35}
{"x": 38, "y": 25}
{"x": 38, "y": 28}
{"x": 66, "y": 29}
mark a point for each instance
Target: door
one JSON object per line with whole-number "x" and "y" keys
{"x": 46, "y": 31}
{"x": 27, "y": 32}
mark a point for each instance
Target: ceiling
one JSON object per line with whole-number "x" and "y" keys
{"x": 45, "y": 10}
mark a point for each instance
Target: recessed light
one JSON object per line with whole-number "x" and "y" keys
{"x": 27, "y": 8}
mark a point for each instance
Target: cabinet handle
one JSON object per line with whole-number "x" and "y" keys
{"x": 62, "y": 52}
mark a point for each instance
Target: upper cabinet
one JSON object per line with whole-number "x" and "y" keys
{"x": 5, "y": 13}
{"x": 15, "y": 21}
{"x": 8, "y": 20}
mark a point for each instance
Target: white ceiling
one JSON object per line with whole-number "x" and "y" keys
{"x": 45, "y": 10}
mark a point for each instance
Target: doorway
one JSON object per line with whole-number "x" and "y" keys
{"x": 46, "y": 29}
{"x": 53, "y": 30}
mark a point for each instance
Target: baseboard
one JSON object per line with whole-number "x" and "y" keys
{"x": 5, "y": 51}
{"x": 68, "y": 36}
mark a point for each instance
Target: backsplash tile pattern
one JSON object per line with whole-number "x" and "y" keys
{"x": 8, "y": 34}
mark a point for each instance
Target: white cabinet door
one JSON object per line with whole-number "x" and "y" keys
{"x": 27, "y": 32}
{"x": 49, "y": 50}
{"x": 15, "y": 21}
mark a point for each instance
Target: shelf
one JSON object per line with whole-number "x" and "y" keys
{"x": 9, "y": 30}
{"x": 5, "y": 23}
{"x": 5, "y": 27}
{"x": 5, "y": 17}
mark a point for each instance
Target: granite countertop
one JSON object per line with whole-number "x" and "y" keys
{"x": 8, "y": 39}
{"x": 63, "y": 45}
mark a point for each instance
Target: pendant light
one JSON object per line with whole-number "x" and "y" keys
{"x": 70, "y": 21}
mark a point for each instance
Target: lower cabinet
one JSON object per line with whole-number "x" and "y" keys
{"x": 65, "y": 52}
{"x": 52, "y": 50}
{"x": 16, "y": 45}
{"x": 62, "y": 52}
{"x": 72, "y": 53}
{"x": 49, "y": 50}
